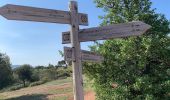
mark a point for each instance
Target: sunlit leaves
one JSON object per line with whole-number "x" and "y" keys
{"x": 139, "y": 65}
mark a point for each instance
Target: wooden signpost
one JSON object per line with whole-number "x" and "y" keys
{"x": 16, "y": 12}
{"x": 109, "y": 32}
{"x": 76, "y": 63}
{"x": 75, "y": 36}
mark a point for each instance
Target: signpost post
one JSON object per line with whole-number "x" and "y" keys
{"x": 24, "y": 13}
{"x": 75, "y": 36}
{"x": 76, "y": 62}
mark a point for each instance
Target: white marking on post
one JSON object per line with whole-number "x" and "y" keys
{"x": 109, "y": 32}
{"x": 24, "y": 13}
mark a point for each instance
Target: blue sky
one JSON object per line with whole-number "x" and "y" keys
{"x": 38, "y": 43}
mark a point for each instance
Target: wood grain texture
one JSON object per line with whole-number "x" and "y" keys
{"x": 86, "y": 56}
{"x": 109, "y": 32}
{"x": 24, "y": 13}
{"x": 76, "y": 62}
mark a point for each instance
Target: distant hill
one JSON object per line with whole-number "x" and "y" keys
{"x": 14, "y": 66}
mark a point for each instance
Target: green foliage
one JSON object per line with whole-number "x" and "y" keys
{"x": 30, "y": 76}
{"x": 5, "y": 71}
{"x": 61, "y": 63}
{"x": 16, "y": 87}
{"x": 35, "y": 75}
{"x": 64, "y": 72}
{"x": 51, "y": 73}
{"x": 138, "y": 65}
{"x": 39, "y": 67}
{"x": 61, "y": 53}
{"x": 36, "y": 83}
{"x": 24, "y": 73}
{"x": 60, "y": 82}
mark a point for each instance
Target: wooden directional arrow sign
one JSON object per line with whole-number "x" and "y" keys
{"x": 108, "y": 32}
{"x": 15, "y": 12}
{"x": 86, "y": 55}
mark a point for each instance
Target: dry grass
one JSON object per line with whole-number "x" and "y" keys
{"x": 55, "y": 90}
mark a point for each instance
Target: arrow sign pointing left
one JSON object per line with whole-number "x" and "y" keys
{"x": 15, "y": 12}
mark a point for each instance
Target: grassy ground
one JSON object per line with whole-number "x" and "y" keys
{"x": 54, "y": 90}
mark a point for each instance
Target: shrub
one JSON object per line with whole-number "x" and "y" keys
{"x": 24, "y": 73}
{"x": 5, "y": 71}
{"x": 37, "y": 83}
{"x": 138, "y": 65}
{"x": 17, "y": 87}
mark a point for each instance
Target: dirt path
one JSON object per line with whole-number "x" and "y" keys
{"x": 89, "y": 96}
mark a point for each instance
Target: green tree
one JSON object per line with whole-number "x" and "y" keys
{"x": 24, "y": 73}
{"x": 62, "y": 63}
{"x": 50, "y": 66}
{"x": 5, "y": 71}
{"x": 40, "y": 67}
{"x": 138, "y": 65}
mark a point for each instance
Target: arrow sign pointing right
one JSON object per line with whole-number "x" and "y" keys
{"x": 85, "y": 55}
{"x": 108, "y": 32}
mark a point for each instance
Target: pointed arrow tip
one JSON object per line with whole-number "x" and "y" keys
{"x": 1, "y": 10}
{"x": 148, "y": 27}
{"x": 5, "y": 8}
{"x": 145, "y": 26}
{"x": 142, "y": 26}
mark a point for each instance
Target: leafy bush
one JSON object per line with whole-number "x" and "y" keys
{"x": 138, "y": 65}
{"x": 53, "y": 73}
{"x": 17, "y": 87}
{"x": 35, "y": 75}
{"x": 64, "y": 72}
{"x": 48, "y": 74}
{"x": 37, "y": 83}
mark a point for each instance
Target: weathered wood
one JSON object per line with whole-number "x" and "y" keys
{"x": 91, "y": 56}
{"x": 66, "y": 37}
{"x": 68, "y": 54}
{"x": 16, "y": 12}
{"x": 85, "y": 55}
{"x": 76, "y": 63}
{"x": 108, "y": 32}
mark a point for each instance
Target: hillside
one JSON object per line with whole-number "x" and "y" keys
{"x": 54, "y": 90}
